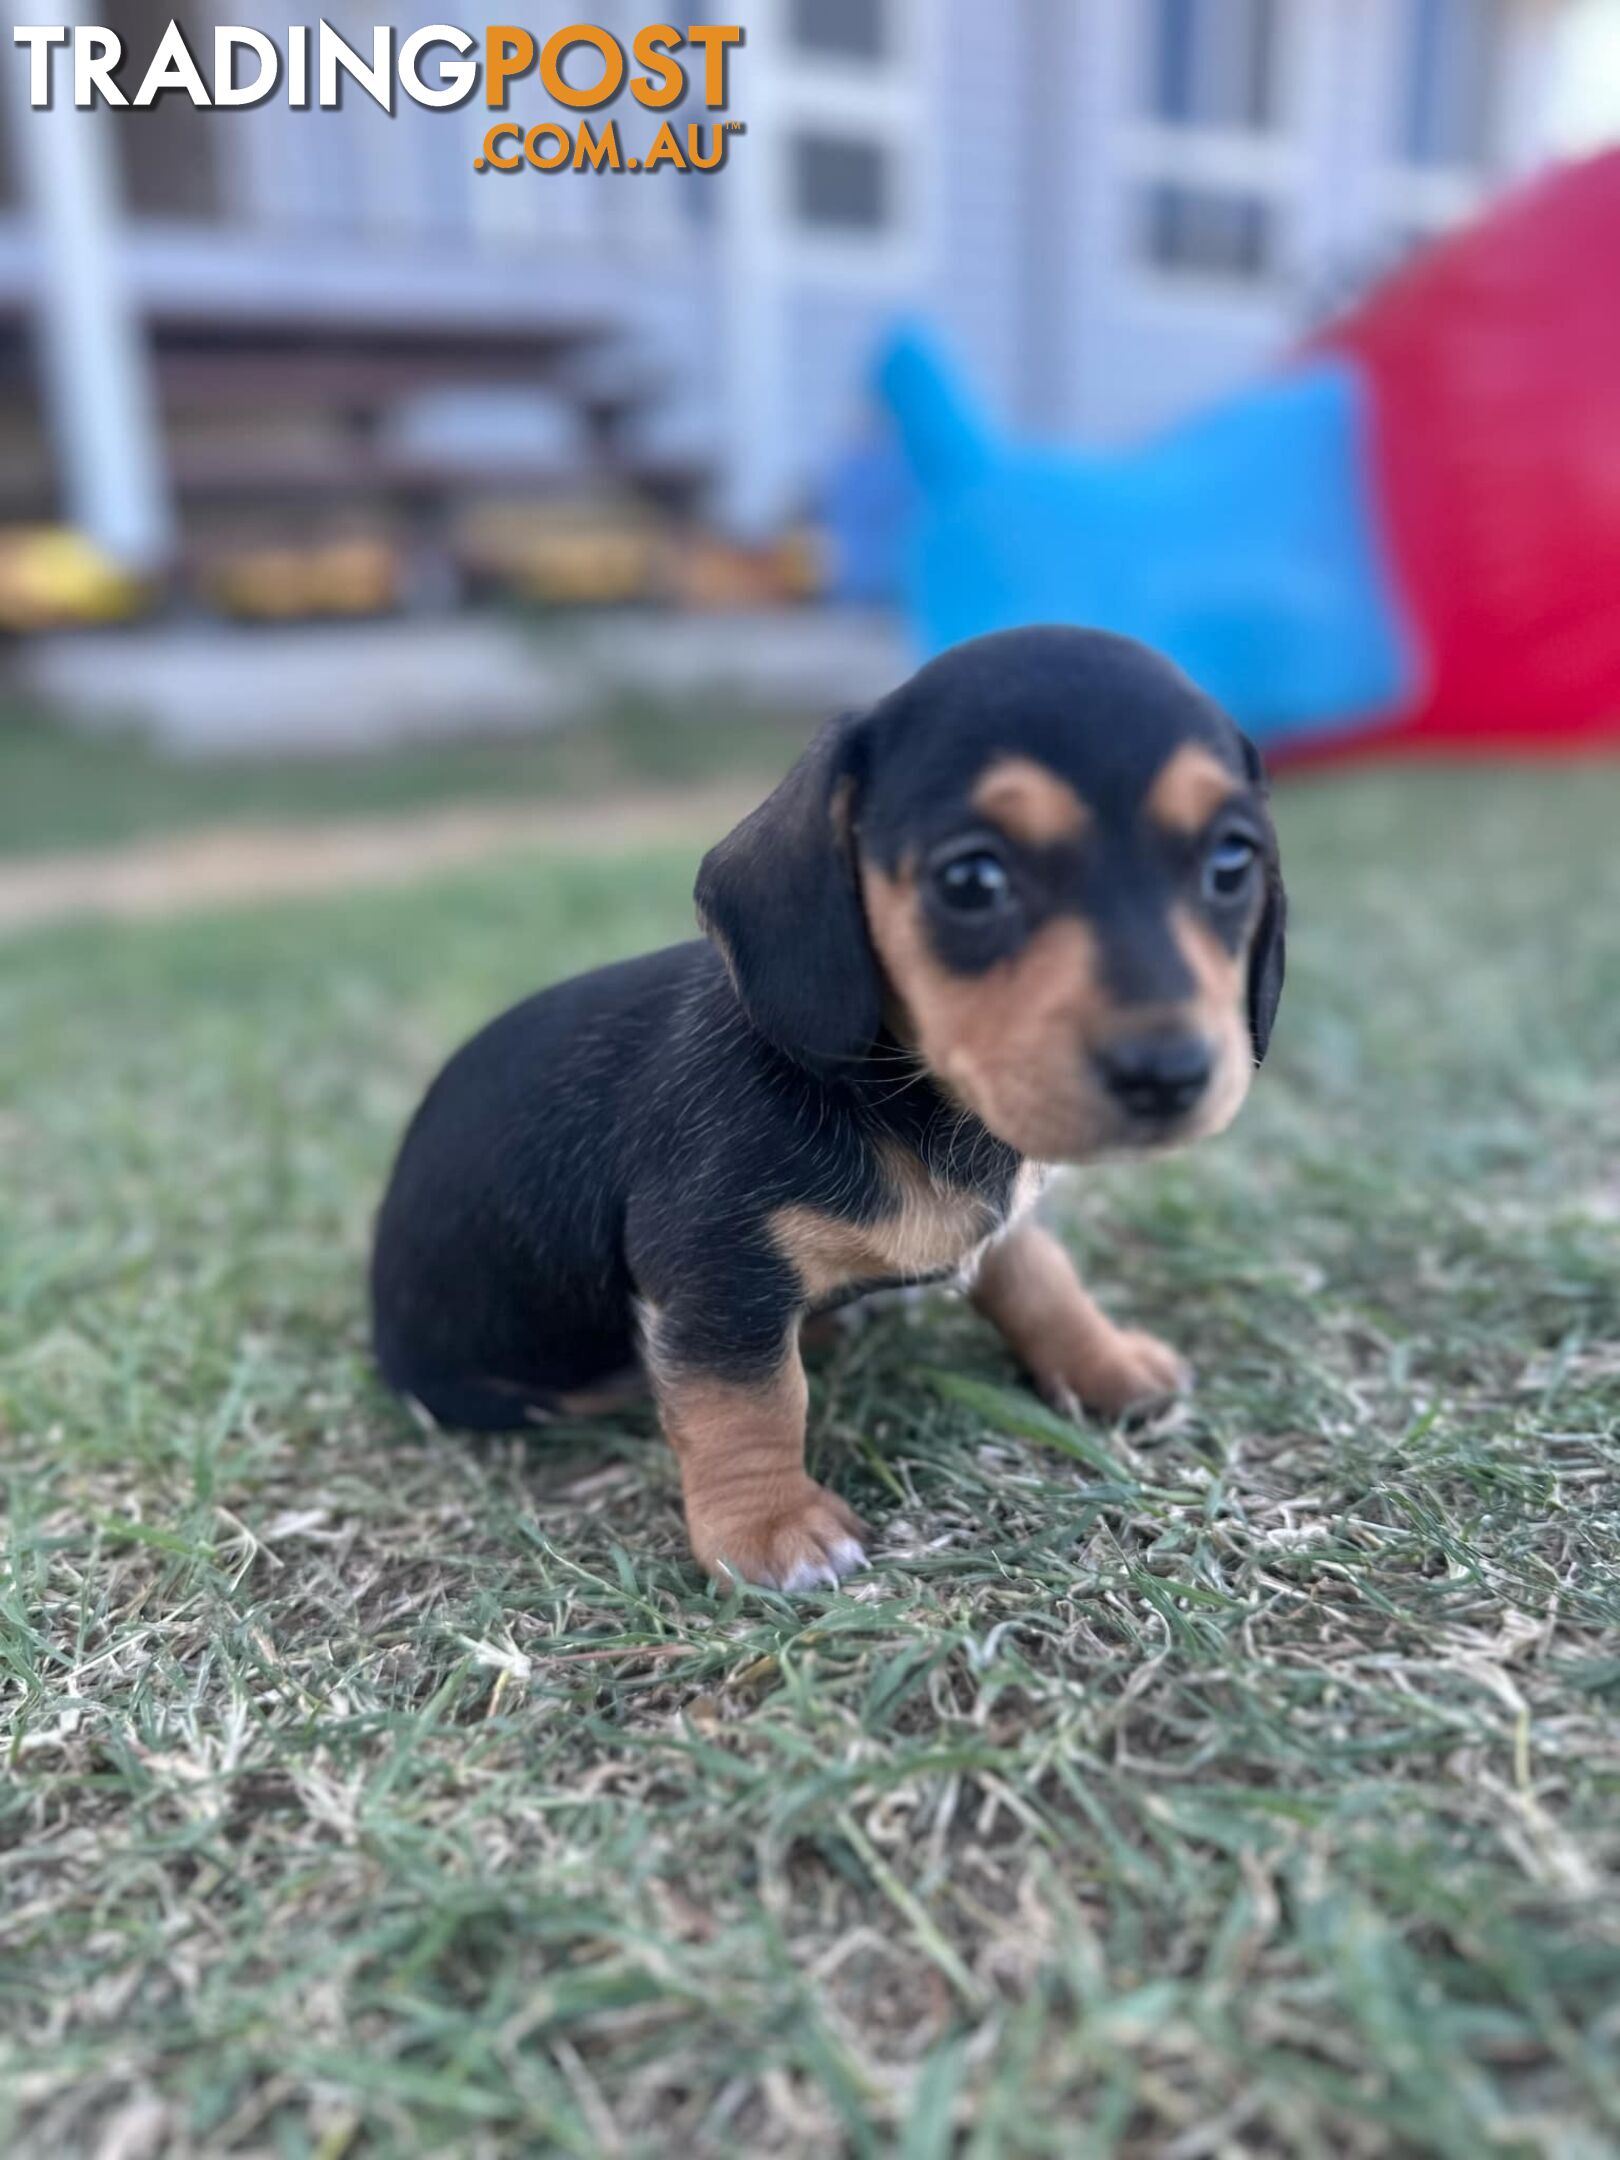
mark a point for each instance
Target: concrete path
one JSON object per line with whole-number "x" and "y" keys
{"x": 236, "y": 866}
{"x": 214, "y": 689}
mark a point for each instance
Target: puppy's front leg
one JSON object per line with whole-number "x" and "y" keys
{"x": 1027, "y": 1287}
{"x": 751, "y": 1510}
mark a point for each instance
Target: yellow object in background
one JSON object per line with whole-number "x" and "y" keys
{"x": 563, "y": 554}
{"x": 53, "y": 578}
{"x": 292, "y": 584}
{"x": 708, "y": 573}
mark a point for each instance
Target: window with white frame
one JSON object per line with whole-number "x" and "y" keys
{"x": 1219, "y": 233}
{"x": 840, "y": 182}
{"x": 840, "y": 29}
{"x": 1208, "y": 162}
{"x": 1443, "y": 71}
{"x": 1212, "y": 63}
{"x": 850, "y": 100}
{"x": 1448, "y": 60}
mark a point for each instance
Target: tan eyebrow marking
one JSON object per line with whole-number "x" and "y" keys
{"x": 1030, "y": 803}
{"x": 1189, "y": 788}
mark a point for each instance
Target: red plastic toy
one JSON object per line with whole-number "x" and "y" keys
{"x": 1494, "y": 369}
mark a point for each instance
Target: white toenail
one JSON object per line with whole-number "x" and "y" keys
{"x": 806, "y": 1577}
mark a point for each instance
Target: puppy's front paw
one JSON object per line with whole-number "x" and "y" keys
{"x": 1127, "y": 1373}
{"x": 804, "y": 1543}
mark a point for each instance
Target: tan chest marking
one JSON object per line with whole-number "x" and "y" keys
{"x": 1030, "y": 1182}
{"x": 932, "y": 1229}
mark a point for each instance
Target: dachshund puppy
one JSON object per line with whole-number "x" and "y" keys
{"x": 1025, "y": 911}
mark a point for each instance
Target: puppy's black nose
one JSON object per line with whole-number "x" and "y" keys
{"x": 1155, "y": 1077}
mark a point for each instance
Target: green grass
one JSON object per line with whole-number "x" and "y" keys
{"x": 370, "y": 1792}
{"x": 62, "y": 788}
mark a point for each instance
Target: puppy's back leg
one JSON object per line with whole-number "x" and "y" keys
{"x": 476, "y": 1406}
{"x": 497, "y": 1406}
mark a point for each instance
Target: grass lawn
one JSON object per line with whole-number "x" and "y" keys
{"x": 62, "y": 788}
{"x": 1250, "y": 1785}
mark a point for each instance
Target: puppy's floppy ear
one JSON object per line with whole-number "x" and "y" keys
{"x": 1268, "y": 952}
{"x": 1266, "y": 958}
{"x": 779, "y": 898}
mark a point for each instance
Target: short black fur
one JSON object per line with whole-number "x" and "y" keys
{"x": 616, "y": 1146}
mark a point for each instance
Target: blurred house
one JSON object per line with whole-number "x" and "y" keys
{"x": 215, "y": 321}
{"x": 1113, "y": 208}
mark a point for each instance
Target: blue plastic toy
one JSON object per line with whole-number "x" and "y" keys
{"x": 1405, "y": 539}
{"x": 1242, "y": 544}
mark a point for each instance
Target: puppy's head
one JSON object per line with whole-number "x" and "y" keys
{"x": 1046, "y": 865}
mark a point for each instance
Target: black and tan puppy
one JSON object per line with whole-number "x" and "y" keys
{"x": 1025, "y": 911}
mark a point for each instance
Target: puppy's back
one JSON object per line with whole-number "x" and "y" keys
{"x": 513, "y": 1169}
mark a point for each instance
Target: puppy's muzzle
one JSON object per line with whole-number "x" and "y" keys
{"x": 1156, "y": 1078}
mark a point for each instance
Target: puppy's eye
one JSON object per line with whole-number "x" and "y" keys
{"x": 1228, "y": 864}
{"x": 973, "y": 883}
